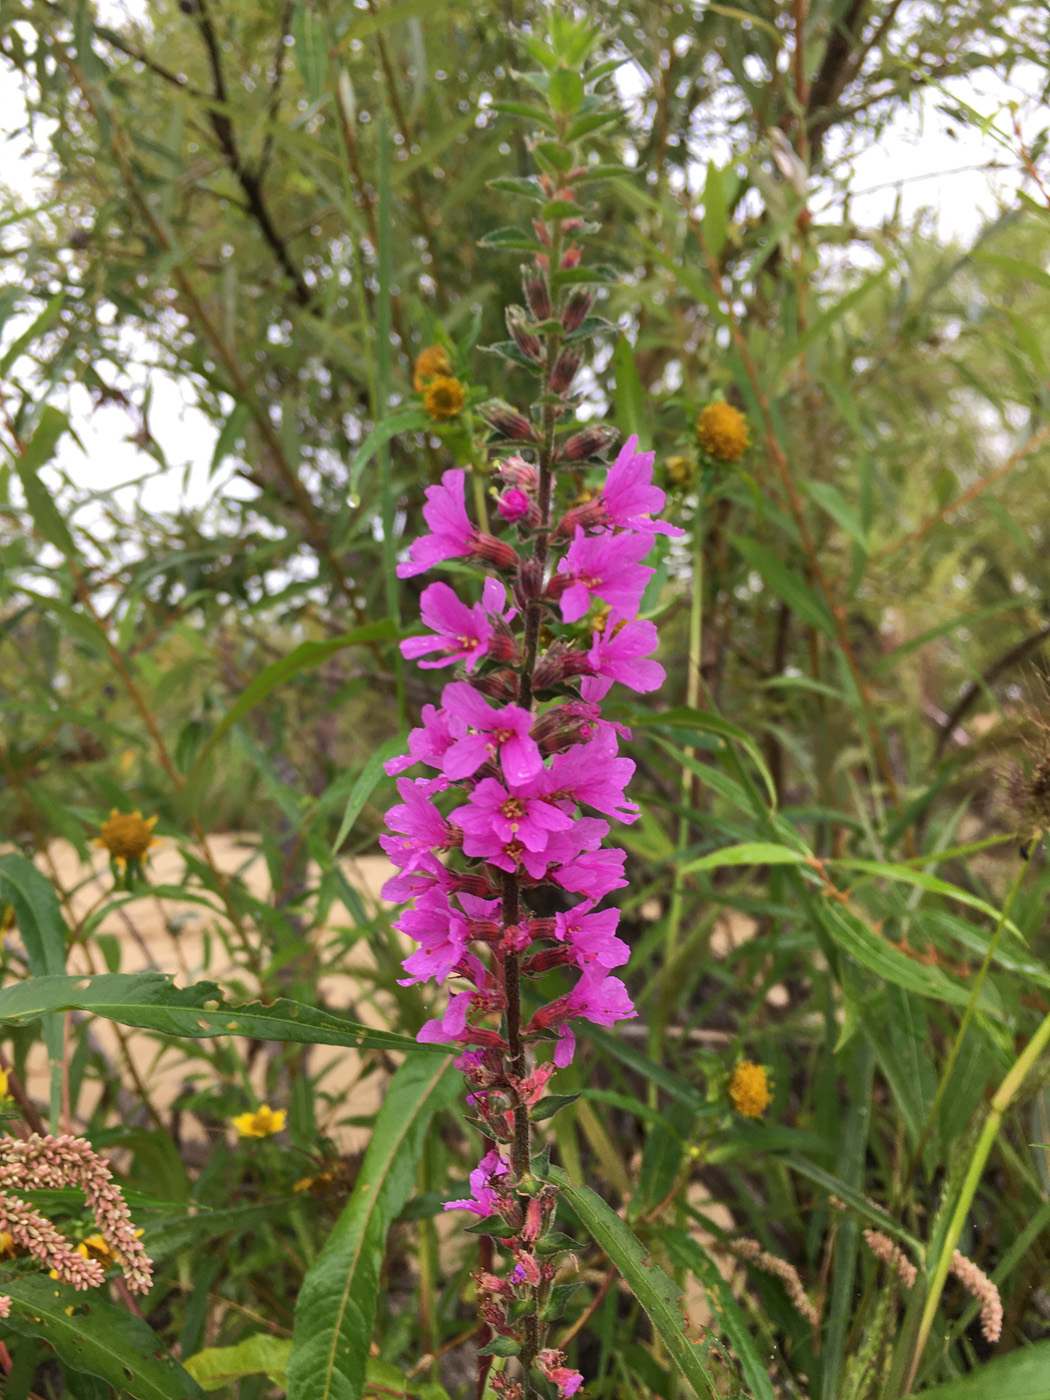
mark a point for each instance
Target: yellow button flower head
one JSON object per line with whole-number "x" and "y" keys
{"x": 722, "y": 431}
{"x": 429, "y": 364}
{"x": 7, "y": 1245}
{"x": 444, "y": 398}
{"x": 3, "y": 1090}
{"x": 749, "y": 1089}
{"x": 127, "y": 836}
{"x": 680, "y": 471}
{"x": 264, "y": 1122}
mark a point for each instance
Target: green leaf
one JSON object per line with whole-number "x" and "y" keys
{"x": 150, "y": 1001}
{"x": 727, "y": 1311}
{"x": 715, "y": 215}
{"x": 39, "y": 451}
{"x": 412, "y": 421}
{"x": 818, "y": 331}
{"x": 1016, "y": 267}
{"x": 311, "y": 49}
{"x": 232, "y": 432}
{"x": 566, "y": 91}
{"x": 336, "y": 1306}
{"x": 628, "y": 394}
{"x": 886, "y": 960}
{"x": 37, "y": 911}
{"x": 394, "y": 13}
{"x": 786, "y": 584}
{"x": 831, "y": 500}
{"x": 747, "y": 853}
{"x": 1021, "y": 1375}
{"x": 258, "y": 1355}
{"x": 658, "y": 1294}
{"x": 362, "y": 789}
{"x": 39, "y": 327}
{"x": 500, "y": 1346}
{"x": 305, "y": 655}
{"x": 919, "y": 878}
{"x": 96, "y": 1337}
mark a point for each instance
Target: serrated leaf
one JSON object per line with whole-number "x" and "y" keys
{"x": 336, "y": 1306}
{"x": 151, "y": 1001}
{"x": 96, "y": 1337}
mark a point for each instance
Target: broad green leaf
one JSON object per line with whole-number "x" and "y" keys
{"x": 335, "y": 1310}
{"x": 655, "y": 1290}
{"x": 258, "y": 1355}
{"x": 786, "y": 584}
{"x": 150, "y": 1001}
{"x": 96, "y": 1337}
{"x": 39, "y": 451}
{"x": 628, "y": 394}
{"x": 686, "y": 1252}
{"x": 1021, "y": 1375}
{"x": 37, "y": 911}
{"x": 311, "y": 49}
{"x": 747, "y": 853}
{"x": 305, "y": 655}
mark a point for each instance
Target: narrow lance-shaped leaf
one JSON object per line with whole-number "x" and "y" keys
{"x": 150, "y": 1001}
{"x": 336, "y": 1306}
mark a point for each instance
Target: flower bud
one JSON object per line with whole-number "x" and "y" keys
{"x": 537, "y": 296}
{"x": 572, "y": 256}
{"x": 506, "y": 421}
{"x": 490, "y": 550}
{"x": 527, "y": 343}
{"x": 564, "y": 371}
{"x": 576, "y": 309}
{"x": 542, "y": 232}
{"x": 501, "y": 686}
{"x": 588, "y": 442}
{"x": 530, "y": 582}
{"x": 515, "y": 471}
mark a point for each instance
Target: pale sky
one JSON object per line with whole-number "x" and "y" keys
{"x": 932, "y": 162}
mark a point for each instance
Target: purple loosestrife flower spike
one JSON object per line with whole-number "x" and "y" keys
{"x": 523, "y": 780}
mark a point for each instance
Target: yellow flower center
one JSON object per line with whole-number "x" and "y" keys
{"x": 749, "y": 1089}
{"x": 444, "y": 398}
{"x": 126, "y": 836}
{"x": 722, "y": 431}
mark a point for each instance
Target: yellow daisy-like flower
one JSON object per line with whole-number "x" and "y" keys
{"x": 264, "y": 1122}
{"x": 749, "y": 1089}
{"x": 722, "y": 431}
{"x": 444, "y": 398}
{"x": 127, "y": 836}
{"x": 429, "y": 364}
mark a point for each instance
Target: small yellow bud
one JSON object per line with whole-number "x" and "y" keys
{"x": 680, "y": 471}
{"x": 722, "y": 432}
{"x": 429, "y": 364}
{"x": 749, "y": 1089}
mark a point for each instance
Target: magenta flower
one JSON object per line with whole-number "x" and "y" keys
{"x": 596, "y": 997}
{"x": 592, "y": 935}
{"x": 430, "y": 742}
{"x": 442, "y": 933}
{"x": 462, "y": 633}
{"x": 592, "y": 873}
{"x": 565, "y": 1378}
{"x": 452, "y": 535}
{"x": 498, "y": 732}
{"x": 483, "y": 1199}
{"x": 629, "y": 497}
{"x": 592, "y": 775}
{"x": 514, "y": 505}
{"x": 496, "y": 815}
{"x": 617, "y": 655}
{"x": 606, "y": 567}
{"x": 421, "y": 825}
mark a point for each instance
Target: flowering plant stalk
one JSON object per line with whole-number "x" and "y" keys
{"x": 521, "y": 757}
